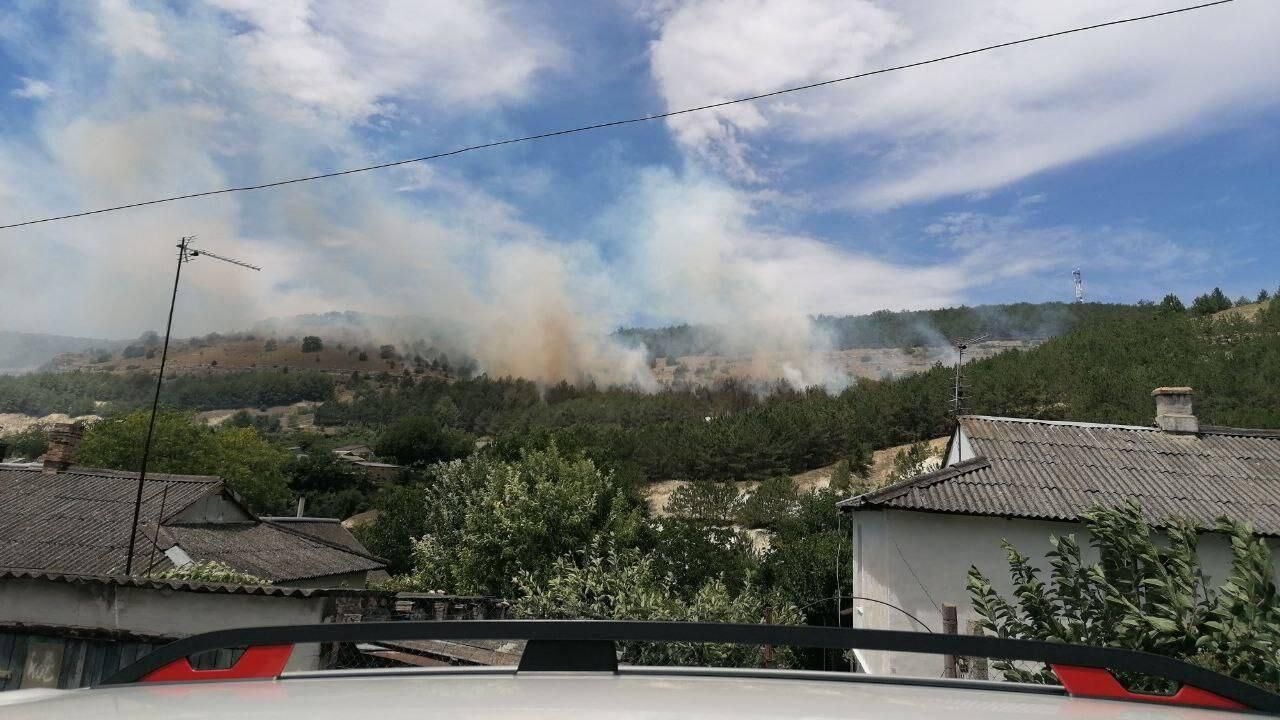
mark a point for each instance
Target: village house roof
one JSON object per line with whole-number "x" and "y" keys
{"x": 76, "y": 521}
{"x": 1057, "y": 470}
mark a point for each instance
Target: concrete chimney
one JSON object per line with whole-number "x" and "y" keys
{"x": 1173, "y": 410}
{"x": 64, "y": 440}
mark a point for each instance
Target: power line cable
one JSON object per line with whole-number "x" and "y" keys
{"x": 613, "y": 123}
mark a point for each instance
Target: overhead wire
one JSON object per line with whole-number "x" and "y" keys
{"x": 612, "y": 123}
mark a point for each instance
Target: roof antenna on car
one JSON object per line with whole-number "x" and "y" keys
{"x": 186, "y": 254}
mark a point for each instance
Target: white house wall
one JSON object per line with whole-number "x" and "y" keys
{"x": 920, "y": 561}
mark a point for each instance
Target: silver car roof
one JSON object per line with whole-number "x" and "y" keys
{"x": 638, "y": 693}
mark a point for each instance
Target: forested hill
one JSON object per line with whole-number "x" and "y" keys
{"x": 1103, "y": 371}
{"x": 908, "y": 328}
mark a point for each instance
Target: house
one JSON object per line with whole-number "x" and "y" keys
{"x": 59, "y": 518}
{"x": 1023, "y": 480}
{"x": 364, "y": 452}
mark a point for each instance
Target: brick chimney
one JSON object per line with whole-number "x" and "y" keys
{"x": 1173, "y": 410}
{"x": 64, "y": 440}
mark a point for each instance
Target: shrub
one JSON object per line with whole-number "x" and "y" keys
{"x": 312, "y": 343}
{"x": 1143, "y": 594}
{"x": 214, "y": 571}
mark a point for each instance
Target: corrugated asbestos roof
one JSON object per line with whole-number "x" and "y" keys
{"x": 179, "y": 585}
{"x": 1057, "y": 470}
{"x": 328, "y": 529}
{"x": 269, "y": 551}
{"x": 77, "y": 521}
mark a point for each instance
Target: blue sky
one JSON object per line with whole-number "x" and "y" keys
{"x": 1147, "y": 154}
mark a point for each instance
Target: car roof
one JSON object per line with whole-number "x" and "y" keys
{"x": 649, "y": 693}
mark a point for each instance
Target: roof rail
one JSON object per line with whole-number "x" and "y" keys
{"x": 588, "y": 645}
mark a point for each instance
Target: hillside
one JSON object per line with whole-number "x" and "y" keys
{"x": 22, "y": 352}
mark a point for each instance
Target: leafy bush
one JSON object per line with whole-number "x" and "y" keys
{"x": 624, "y": 585}
{"x": 488, "y": 520}
{"x": 717, "y": 502}
{"x": 28, "y": 444}
{"x": 312, "y": 343}
{"x": 214, "y": 571}
{"x": 422, "y": 440}
{"x": 1143, "y": 594}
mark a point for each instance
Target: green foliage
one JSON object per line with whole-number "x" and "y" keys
{"x": 1172, "y": 303}
{"x": 910, "y": 462}
{"x": 1210, "y": 303}
{"x": 251, "y": 466}
{"x": 332, "y": 488}
{"x": 714, "y": 502}
{"x": 213, "y": 571}
{"x": 401, "y": 520}
{"x": 487, "y": 519}
{"x": 75, "y": 392}
{"x": 421, "y": 440}
{"x": 772, "y": 502}
{"x": 28, "y": 444}
{"x": 613, "y": 585}
{"x": 693, "y": 553}
{"x": 312, "y": 343}
{"x": 1143, "y": 594}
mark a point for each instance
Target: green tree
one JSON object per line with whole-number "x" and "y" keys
{"x": 1172, "y": 303}
{"x": 910, "y": 462}
{"x": 270, "y": 345}
{"x": 251, "y": 466}
{"x": 1210, "y": 303}
{"x": 770, "y": 503}
{"x": 312, "y": 343}
{"x": 28, "y": 444}
{"x": 488, "y": 520}
{"x": 615, "y": 585}
{"x": 717, "y": 502}
{"x": 1263, "y": 296}
{"x": 400, "y": 521}
{"x": 421, "y": 440}
{"x": 1143, "y": 594}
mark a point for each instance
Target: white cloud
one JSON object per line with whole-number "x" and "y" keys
{"x": 32, "y": 89}
{"x": 964, "y": 126}
{"x": 126, "y": 30}
{"x": 352, "y": 59}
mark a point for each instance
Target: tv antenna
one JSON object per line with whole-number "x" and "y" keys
{"x": 1078, "y": 281}
{"x": 958, "y": 394}
{"x": 186, "y": 254}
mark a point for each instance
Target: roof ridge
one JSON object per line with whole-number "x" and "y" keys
{"x": 1264, "y": 433}
{"x": 1066, "y": 423}
{"x": 921, "y": 480}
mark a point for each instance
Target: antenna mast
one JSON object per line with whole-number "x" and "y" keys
{"x": 186, "y": 254}
{"x": 958, "y": 394}
{"x": 1078, "y": 281}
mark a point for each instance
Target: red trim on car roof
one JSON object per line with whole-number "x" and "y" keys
{"x": 258, "y": 662}
{"x": 1100, "y": 683}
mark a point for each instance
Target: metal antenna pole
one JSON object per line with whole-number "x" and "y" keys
{"x": 185, "y": 254}
{"x": 155, "y": 404}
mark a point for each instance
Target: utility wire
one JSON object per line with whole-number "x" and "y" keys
{"x": 613, "y": 123}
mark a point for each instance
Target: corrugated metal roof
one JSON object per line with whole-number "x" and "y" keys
{"x": 77, "y": 521}
{"x": 269, "y": 551}
{"x": 1057, "y": 470}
